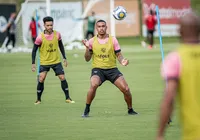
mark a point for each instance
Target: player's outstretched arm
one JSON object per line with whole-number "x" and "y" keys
{"x": 167, "y": 106}
{"x": 123, "y": 61}
{"x": 88, "y": 52}
{"x": 35, "y": 47}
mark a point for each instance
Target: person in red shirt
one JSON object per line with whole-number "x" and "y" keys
{"x": 150, "y": 22}
{"x": 32, "y": 28}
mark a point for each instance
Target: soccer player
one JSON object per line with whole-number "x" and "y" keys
{"x": 32, "y": 28}
{"x": 91, "y": 25}
{"x": 91, "y": 20}
{"x": 50, "y": 45}
{"x": 181, "y": 69}
{"x": 104, "y": 49}
{"x": 150, "y": 22}
{"x": 11, "y": 30}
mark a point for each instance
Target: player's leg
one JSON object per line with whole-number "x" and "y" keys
{"x": 40, "y": 86}
{"x": 92, "y": 34}
{"x": 151, "y": 38}
{"x": 13, "y": 40}
{"x": 9, "y": 39}
{"x": 97, "y": 78}
{"x": 33, "y": 39}
{"x": 123, "y": 87}
{"x": 149, "y": 35}
{"x": 116, "y": 77}
{"x": 87, "y": 35}
{"x": 59, "y": 71}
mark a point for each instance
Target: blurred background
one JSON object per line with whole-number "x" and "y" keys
{"x": 66, "y": 13}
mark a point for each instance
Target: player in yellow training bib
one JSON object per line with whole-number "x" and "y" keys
{"x": 181, "y": 69}
{"x": 104, "y": 49}
{"x": 50, "y": 45}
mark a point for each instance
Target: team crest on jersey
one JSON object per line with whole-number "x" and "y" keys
{"x": 103, "y": 50}
{"x": 50, "y": 45}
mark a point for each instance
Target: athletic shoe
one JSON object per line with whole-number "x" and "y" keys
{"x": 132, "y": 112}
{"x": 86, "y": 113}
{"x": 37, "y": 102}
{"x": 150, "y": 47}
{"x": 69, "y": 101}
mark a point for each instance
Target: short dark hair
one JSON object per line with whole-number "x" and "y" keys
{"x": 48, "y": 18}
{"x": 151, "y": 12}
{"x": 101, "y": 20}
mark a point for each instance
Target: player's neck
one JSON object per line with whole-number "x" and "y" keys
{"x": 48, "y": 33}
{"x": 191, "y": 40}
{"x": 102, "y": 36}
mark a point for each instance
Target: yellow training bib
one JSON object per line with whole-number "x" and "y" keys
{"x": 103, "y": 54}
{"x": 49, "y": 50}
{"x": 189, "y": 91}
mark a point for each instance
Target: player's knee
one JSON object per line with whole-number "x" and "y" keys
{"x": 62, "y": 78}
{"x": 94, "y": 86}
{"x": 126, "y": 90}
{"x": 41, "y": 79}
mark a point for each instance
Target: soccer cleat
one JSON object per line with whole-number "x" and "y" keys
{"x": 86, "y": 113}
{"x": 37, "y": 102}
{"x": 132, "y": 112}
{"x": 69, "y": 101}
{"x": 150, "y": 47}
{"x": 143, "y": 43}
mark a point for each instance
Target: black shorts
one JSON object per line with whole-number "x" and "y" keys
{"x": 107, "y": 74}
{"x": 58, "y": 69}
{"x": 150, "y": 32}
{"x": 33, "y": 39}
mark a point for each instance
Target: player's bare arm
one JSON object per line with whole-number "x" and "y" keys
{"x": 167, "y": 106}
{"x": 88, "y": 53}
{"x": 123, "y": 61}
{"x": 62, "y": 50}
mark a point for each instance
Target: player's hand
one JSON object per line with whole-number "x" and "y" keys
{"x": 85, "y": 43}
{"x": 33, "y": 67}
{"x": 125, "y": 62}
{"x": 65, "y": 62}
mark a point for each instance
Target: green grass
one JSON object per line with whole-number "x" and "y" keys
{"x": 56, "y": 120}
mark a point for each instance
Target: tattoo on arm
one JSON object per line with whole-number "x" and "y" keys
{"x": 88, "y": 55}
{"x": 119, "y": 57}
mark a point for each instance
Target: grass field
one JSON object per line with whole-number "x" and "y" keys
{"x": 56, "y": 120}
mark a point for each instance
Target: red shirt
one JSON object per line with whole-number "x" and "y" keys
{"x": 151, "y": 22}
{"x": 32, "y": 27}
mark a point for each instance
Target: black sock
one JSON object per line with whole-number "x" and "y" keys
{"x": 64, "y": 86}
{"x": 87, "y": 109}
{"x": 40, "y": 88}
{"x": 87, "y": 106}
{"x": 130, "y": 109}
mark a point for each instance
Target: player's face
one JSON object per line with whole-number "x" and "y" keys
{"x": 48, "y": 26}
{"x": 101, "y": 28}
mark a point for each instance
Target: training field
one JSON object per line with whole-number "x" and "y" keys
{"x": 56, "y": 120}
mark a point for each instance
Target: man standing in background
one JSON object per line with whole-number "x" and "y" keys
{"x": 33, "y": 29}
{"x": 91, "y": 25}
{"x": 150, "y": 22}
{"x": 11, "y": 30}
